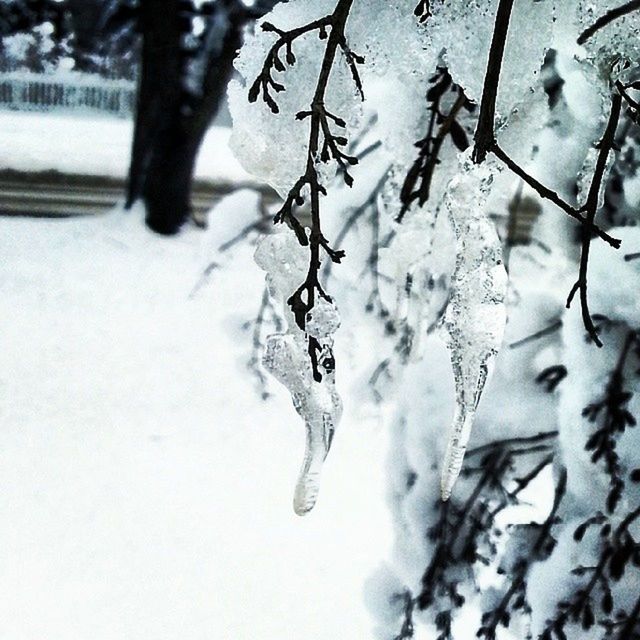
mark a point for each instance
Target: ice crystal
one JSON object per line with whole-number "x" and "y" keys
{"x": 476, "y": 315}
{"x": 286, "y": 357}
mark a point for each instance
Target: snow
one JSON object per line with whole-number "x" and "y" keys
{"x": 464, "y": 26}
{"x": 146, "y": 488}
{"x": 97, "y": 146}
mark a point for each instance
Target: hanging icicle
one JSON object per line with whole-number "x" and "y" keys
{"x": 476, "y": 315}
{"x": 287, "y": 359}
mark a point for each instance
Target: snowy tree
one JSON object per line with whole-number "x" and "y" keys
{"x": 35, "y": 34}
{"x": 472, "y": 166}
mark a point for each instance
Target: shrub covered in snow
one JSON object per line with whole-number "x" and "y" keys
{"x": 405, "y": 143}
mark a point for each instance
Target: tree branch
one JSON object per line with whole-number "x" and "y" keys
{"x": 303, "y": 299}
{"x": 485, "y": 135}
{"x": 607, "y": 18}
{"x": 425, "y": 164}
{"x": 548, "y": 194}
{"x": 605, "y": 146}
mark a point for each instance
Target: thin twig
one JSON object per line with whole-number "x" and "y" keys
{"x": 525, "y": 440}
{"x": 605, "y": 146}
{"x": 323, "y": 146}
{"x": 548, "y": 194}
{"x": 424, "y": 166}
{"x": 552, "y": 328}
{"x": 607, "y": 18}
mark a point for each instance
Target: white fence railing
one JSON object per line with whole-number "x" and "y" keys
{"x": 70, "y": 91}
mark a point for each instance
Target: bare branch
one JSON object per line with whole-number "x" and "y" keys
{"x": 605, "y": 146}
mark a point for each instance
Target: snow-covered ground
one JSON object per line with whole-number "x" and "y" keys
{"x": 97, "y": 146}
{"x": 145, "y": 489}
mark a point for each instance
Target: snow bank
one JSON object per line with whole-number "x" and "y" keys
{"x": 97, "y": 146}
{"x": 146, "y": 488}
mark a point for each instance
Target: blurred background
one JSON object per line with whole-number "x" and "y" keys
{"x": 153, "y": 75}
{"x": 147, "y": 464}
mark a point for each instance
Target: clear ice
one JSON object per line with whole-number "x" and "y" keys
{"x": 287, "y": 358}
{"x": 475, "y": 318}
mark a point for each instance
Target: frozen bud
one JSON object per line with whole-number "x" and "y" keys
{"x": 323, "y": 320}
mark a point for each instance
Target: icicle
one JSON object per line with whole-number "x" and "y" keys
{"x": 476, "y": 315}
{"x": 287, "y": 358}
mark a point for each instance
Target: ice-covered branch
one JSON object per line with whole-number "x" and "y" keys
{"x": 463, "y": 532}
{"x": 323, "y": 145}
{"x": 302, "y": 357}
{"x": 542, "y": 545}
{"x": 264, "y": 82}
{"x": 615, "y": 419}
{"x": 417, "y": 183}
{"x": 485, "y": 142}
{"x": 607, "y": 18}
{"x": 617, "y": 549}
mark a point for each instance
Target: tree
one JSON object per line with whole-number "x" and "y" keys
{"x": 47, "y": 25}
{"x": 549, "y": 98}
{"x": 72, "y": 28}
{"x": 186, "y": 60}
{"x": 183, "y": 79}
{"x": 17, "y": 16}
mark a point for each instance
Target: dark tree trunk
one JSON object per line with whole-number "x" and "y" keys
{"x": 159, "y": 86}
{"x": 167, "y": 189}
{"x": 171, "y": 124}
{"x": 84, "y": 14}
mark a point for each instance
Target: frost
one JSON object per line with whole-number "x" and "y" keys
{"x": 476, "y": 315}
{"x": 287, "y": 358}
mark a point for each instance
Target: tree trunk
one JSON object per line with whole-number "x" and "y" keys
{"x": 159, "y": 87}
{"x": 171, "y": 124}
{"x": 167, "y": 190}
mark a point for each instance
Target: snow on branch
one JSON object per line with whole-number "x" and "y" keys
{"x": 443, "y": 268}
{"x": 417, "y": 183}
{"x": 618, "y": 550}
{"x": 324, "y": 145}
{"x": 485, "y": 142}
{"x": 302, "y": 358}
{"x": 607, "y": 18}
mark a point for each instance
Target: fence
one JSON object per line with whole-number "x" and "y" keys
{"x": 70, "y": 91}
